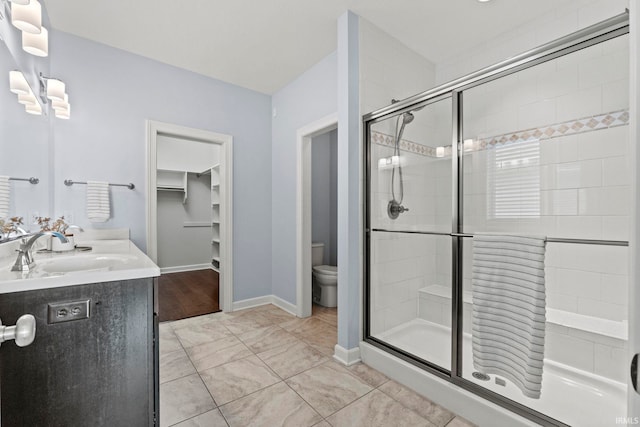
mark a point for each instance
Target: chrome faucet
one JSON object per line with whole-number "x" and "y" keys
{"x": 25, "y": 261}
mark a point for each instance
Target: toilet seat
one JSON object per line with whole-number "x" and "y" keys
{"x": 327, "y": 270}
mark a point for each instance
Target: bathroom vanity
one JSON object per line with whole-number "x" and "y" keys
{"x": 94, "y": 360}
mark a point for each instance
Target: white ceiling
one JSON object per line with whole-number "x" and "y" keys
{"x": 265, "y": 44}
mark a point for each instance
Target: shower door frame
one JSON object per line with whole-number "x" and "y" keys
{"x": 598, "y": 33}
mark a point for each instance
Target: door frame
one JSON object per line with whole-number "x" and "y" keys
{"x": 155, "y": 128}
{"x": 304, "y": 135}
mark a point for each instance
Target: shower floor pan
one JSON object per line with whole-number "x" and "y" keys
{"x": 570, "y": 395}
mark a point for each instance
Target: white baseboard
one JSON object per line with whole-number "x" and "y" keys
{"x": 347, "y": 357}
{"x": 181, "y": 268}
{"x": 285, "y": 305}
{"x": 251, "y": 302}
{"x": 267, "y": 299}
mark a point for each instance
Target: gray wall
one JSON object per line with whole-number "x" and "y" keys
{"x": 324, "y": 191}
{"x": 114, "y": 93}
{"x": 179, "y": 245}
{"x": 310, "y": 97}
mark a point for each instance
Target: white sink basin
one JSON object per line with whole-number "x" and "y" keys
{"x": 84, "y": 263}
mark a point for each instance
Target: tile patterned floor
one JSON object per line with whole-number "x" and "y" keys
{"x": 265, "y": 367}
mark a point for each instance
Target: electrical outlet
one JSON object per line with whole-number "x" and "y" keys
{"x": 58, "y": 312}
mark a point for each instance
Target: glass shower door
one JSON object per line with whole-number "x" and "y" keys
{"x": 545, "y": 153}
{"x": 409, "y": 226}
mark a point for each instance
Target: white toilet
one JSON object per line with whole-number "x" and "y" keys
{"x": 325, "y": 278}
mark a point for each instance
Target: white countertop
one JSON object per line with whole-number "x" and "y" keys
{"x": 108, "y": 261}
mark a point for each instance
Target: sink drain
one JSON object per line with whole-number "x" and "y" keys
{"x": 480, "y": 376}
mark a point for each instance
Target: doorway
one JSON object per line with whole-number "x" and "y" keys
{"x": 189, "y": 217}
{"x": 304, "y": 138}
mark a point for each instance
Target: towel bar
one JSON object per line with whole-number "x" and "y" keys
{"x": 32, "y": 180}
{"x": 70, "y": 182}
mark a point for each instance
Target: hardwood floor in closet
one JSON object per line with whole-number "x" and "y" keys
{"x": 188, "y": 294}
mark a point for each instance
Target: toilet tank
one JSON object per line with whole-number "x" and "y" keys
{"x": 317, "y": 253}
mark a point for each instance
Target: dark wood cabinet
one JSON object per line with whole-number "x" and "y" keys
{"x": 99, "y": 371}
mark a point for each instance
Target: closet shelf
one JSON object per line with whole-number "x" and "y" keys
{"x": 172, "y": 180}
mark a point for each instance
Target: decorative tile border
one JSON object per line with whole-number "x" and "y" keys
{"x": 571, "y": 127}
{"x": 405, "y": 145}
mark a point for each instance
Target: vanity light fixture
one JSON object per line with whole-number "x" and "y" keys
{"x": 63, "y": 113}
{"x": 27, "y": 17}
{"x": 27, "y": 99}
{"x": 52, "y": 91}
{"x": 34, "y": 109}
{"x": 55, "y": 89}
{"x": 60, "y": 105}
{"x": 36, "y": 44}
{"x": 17, "y": 83}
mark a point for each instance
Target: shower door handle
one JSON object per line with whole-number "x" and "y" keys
{"x": 634, "y": 372}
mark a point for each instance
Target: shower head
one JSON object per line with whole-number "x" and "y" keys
{"x": 407, "y": 118}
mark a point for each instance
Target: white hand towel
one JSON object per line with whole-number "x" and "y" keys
{"x": 4, "y": 196}
{"x": 98, "y": 204}
{"x": 509, "y": 309}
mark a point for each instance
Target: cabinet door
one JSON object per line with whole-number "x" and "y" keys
{"x": 93, "y": 371}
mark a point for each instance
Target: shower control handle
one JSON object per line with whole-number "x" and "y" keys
{"x": 394, "y": 209}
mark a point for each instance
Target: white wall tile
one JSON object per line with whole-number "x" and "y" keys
{"x": 610, "y": 362}
{"x": 598, "y": 308}
{"x": 562, "y": 301}
{"x": 583, "y": 103}
{"x": 615, "y": 95}
{"x": 589, "y": 201}
{"x": 537, "y": 114}
{"x": 580, "y": 227}
{"x": 615, "y": 288}
{"x": 591, "y": 146}
{"x": 615, "y": 171}
{"x": 567, "y": 148}
{"x": 569, "y": 350}
{"x": 615, "y": 227}
{"x": 568, "y": 175}
{"x": 584, "y": 284}
{"x": 616, "y": 200}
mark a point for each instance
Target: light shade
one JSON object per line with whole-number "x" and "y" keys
{"x": 439, "y": 151}
{"x": 60, "y": 105}
{"x": 36, "y": 44}
{"x": 35, "y": 109}
{"x": 27, "y": 17}
{"x": 55, "y": 90}
{"x": 17, "y": 83}
{"x": 27, "y": 99}
{"x": 64, "y": 114}
{"x": 20, "y": 1}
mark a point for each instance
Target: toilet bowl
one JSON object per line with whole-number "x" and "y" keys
{"x": 324, "y": 280}
{"x": 325, "y": 285}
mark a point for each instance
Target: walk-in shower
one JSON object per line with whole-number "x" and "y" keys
{"x": 537, "y": 145}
